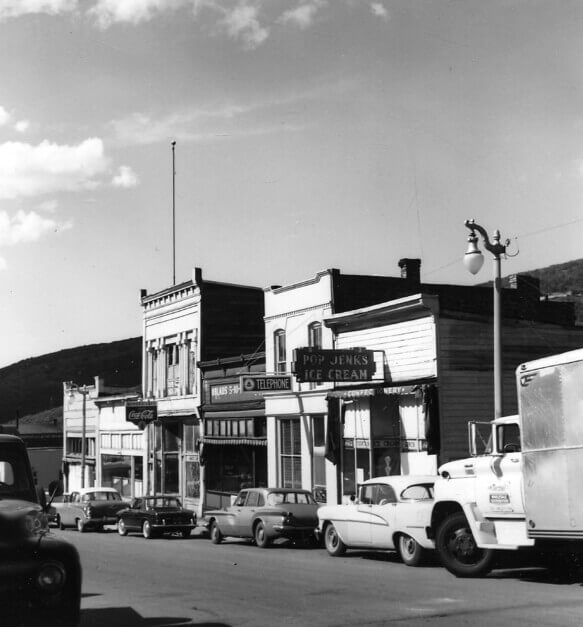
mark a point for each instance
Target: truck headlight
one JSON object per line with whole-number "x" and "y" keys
{"x": 50, "y": 577}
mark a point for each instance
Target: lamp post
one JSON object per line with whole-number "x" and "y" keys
{"x": 84, "y": 391}
{"x": 473, "y": 260}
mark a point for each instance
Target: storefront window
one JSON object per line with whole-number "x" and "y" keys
{"x": 116, "y": 472}
{"x": 290, "y": 453}
{"x": 229, "y": 468}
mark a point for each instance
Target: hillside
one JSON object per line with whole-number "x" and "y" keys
{"x": 35, "y": 385}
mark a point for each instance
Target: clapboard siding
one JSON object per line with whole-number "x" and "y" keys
{"x": 409, "y": 347}
{"x": 466, "y": 370}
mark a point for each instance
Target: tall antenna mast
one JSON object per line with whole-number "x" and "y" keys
{"x": 173, "y": 214}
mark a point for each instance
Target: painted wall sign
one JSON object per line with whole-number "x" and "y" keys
{"x": 276, "y": 383}
{"x": 141, "y": 414}
{"x": 319, "y": 365}
{"x": 223, "y": 390}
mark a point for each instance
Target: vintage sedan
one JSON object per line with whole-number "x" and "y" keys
{"x": 55, "y": 504}
{"x": 91, "y": 508}
{"x": 264, "y": 514}
{"x": 390, "y": 513}
{"x": 155, "y": 516}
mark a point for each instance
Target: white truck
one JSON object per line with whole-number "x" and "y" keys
{"x": 523, "y": 485}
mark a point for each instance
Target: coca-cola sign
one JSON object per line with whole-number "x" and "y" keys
{"x": 141, "y": 414}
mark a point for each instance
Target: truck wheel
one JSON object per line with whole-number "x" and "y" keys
{"x": 332, "y": 541}
{"x": 261, "y": 537}
{"x": 410, "y": 550}
{"x": 458, "y": 550}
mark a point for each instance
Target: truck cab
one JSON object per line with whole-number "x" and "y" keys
{"x": 40, "y": 575}
{"x": 479, "y": 501}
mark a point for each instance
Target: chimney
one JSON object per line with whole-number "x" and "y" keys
{"x": 411, "y": 270}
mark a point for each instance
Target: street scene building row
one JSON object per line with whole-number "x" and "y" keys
{"x": 319, "y": 384}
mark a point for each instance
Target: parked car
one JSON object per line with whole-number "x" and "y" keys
{"x": 390, "y": 513}
{"x": 40, "y": 574}
{"x": 264, "y": 514}
{"x": 91, "y": 508}
{"x": 55, "y": 504}
{"x": 155, "y": 516}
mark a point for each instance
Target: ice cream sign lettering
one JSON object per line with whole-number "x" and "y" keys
{"x": 318, "y": 365}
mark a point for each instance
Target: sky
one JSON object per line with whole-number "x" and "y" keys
{"x": 309, "y": 134}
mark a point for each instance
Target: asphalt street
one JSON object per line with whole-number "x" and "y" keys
{"x": 130, "y": 581}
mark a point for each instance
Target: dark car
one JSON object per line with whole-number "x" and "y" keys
{"x": 264, "y": 514}
{"x": 40, "y": 575}
{"x": 155, "y": 516}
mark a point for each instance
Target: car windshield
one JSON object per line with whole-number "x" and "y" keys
{"x": 15, "y": 480}
{"x": 101, "y": 496}
{"x": 163, "y": 501}
{"x": 276, "y": 498}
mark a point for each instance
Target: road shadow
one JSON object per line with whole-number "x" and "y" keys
{"x": 128, "y": 617}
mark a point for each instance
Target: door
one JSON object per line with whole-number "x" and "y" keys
{"x": 230, "y": 523}
{"x": 375, "y": 513}
{"x": 499, "y": 476}
{"x": 245, "y": 516}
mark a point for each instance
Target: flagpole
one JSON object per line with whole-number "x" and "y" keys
{"x": 173, "y": 214}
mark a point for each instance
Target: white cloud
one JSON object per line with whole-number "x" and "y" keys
{"x": 107, "y": 12}
{"x": 16, "y": 8}
{"x": 242, "y": 23}
{"x": 21, "y": 126}
{"x": 27, "y": 170}
{"x": 48, "y": 206}
{"x": 26, "y": 227}
{"x": 4, "y": 115}
{"x": 379, "y": 9}
{"x": 303, "y": 15}
{"x": 125, "y": 178}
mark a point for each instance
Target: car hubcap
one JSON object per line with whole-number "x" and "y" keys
{"x": 332, "y": 537}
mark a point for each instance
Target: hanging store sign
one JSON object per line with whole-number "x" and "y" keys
{"x": 318, "y": 365}
{"x": 276, "y": 383}
{"x": 141, "y": 414}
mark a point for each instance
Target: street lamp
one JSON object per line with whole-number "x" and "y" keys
{"x": 473, "y": 260}
{"x": 84, "y": 391}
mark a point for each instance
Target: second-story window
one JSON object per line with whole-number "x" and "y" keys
{"x": 315, "y": 335}
{"x": 173, "y": 372}
{"x": 279, "y": 350}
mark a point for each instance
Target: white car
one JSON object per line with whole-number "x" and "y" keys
{"x": 391, "y": 513}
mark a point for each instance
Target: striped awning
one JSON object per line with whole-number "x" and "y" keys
{"x": 222, "y": 441}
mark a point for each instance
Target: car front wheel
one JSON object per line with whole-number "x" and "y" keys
{"x": 458, "y": 550}
{"x": 261, "y": 537}
{"x": 215, "y": 533}
{"x": 186, "y": 533}
{"x": 121, "y": 528}
{"x": 410, "y": 550}
{"x": 81, "y": 526}
{"x": 333, "y": 542}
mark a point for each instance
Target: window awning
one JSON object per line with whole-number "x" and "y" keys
{"x": 241, "y": 413}
{"x": 360, "y": 392}
{"x": 221, "y": 441}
